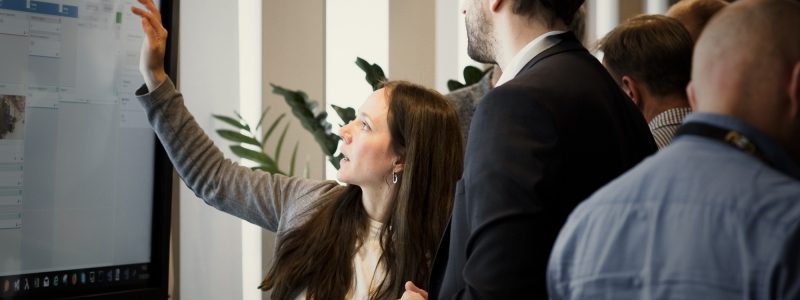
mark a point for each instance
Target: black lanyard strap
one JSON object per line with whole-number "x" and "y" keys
{"x": 727, "y": 136}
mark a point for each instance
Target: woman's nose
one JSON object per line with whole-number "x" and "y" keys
{"x": 345, "y": 133}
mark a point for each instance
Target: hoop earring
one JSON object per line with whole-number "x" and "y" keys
{"x": 394, "y": 177}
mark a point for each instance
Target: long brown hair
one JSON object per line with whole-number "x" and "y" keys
{"x": 318, "y": 255}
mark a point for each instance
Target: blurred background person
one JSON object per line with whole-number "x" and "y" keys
{"x": 650, "y": 57}
{"x": 694, "y": 14}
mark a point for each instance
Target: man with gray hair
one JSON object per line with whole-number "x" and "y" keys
{"x": 715, "y": 215}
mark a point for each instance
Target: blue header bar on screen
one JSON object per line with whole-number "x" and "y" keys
{"x": 40, "y": 7}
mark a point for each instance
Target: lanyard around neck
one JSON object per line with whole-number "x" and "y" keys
{"x": 730, "y": 137}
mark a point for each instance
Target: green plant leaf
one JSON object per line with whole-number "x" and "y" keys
{"x": 347, "y": 114}
{"x": 472, "y": 75}
{"x": 233, "y": 122}
{"x": 453, "y": 85}
{"x": 259, "y": 156}
{"x": 336, "y": 160}
{"x": 256, "y": 156}
{"x": 330, "y": 144}
{"x": 318, "y": 126}
{"x": 294, "y": 159}
{"x": 237, "y": 137}
{"x": 280, "y": 142}
{"x": 374, "y": 73}
{"x": 261, "y": 119}
{"x": 272, "y": 127}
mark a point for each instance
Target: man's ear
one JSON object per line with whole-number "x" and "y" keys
{"x": 631, "y": 88}
{"x": 794, "y": 91}
{"x": 494, "y": 5}
{"x": 690, "y": 95}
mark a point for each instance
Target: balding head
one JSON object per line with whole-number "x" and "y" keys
{"x": 747, "y": 64}
{"x": 694, "y": 14}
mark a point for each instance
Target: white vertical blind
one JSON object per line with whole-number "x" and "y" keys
{"x": 250, "y": 107}
{"x": 353, "y": 28}
{"x": 606, "y": 16}
{"x": 448, "y": 41}
{"x": 655, "y": 6}
{"x": 210, "y": 240}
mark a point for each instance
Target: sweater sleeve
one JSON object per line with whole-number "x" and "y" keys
{"x": 255, "y": 196}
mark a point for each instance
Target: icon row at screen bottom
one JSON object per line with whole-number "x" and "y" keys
{"x": 25, "y": 283}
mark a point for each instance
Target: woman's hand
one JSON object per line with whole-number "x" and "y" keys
{"x": 413, "y": 292}
{"x": 151, "y": 61}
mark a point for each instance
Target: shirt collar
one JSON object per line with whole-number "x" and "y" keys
{"x": 773, "y": 152}
{"x": 672, "y": 116}
{"x": 536, "y": 46}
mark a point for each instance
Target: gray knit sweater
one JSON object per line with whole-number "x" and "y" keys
{"x": 274, "y": 202}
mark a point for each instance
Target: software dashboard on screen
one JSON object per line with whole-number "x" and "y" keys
{"x": 76, "y": 151}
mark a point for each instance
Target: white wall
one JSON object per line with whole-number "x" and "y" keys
{"x": 250, "y": 87}
{"x": 214, "y": 246}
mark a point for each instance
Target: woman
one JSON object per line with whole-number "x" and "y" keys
{"x": 403, "y": 156}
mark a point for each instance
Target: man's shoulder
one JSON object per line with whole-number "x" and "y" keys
{"x": 569, "y": 74}
{"x": 566, "y": 84}
{"x": 711, "y": 173}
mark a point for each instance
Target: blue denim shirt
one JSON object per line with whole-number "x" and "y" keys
{"x": 698, "y": 220}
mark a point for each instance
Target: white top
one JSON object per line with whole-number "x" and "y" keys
{"x": 367, "y": 273}
{"x": 536, "y": 46}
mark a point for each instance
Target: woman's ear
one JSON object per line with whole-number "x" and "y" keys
{"x": 398, "y": 166}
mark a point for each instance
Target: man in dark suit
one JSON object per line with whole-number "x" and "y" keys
{"x": 556, "y": 128}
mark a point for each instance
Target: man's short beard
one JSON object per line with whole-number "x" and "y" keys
{"x": 480, "y": 42}
{"x": 480, "y": 51}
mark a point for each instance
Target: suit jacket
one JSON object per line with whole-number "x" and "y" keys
{"x": 538, "y": 145}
